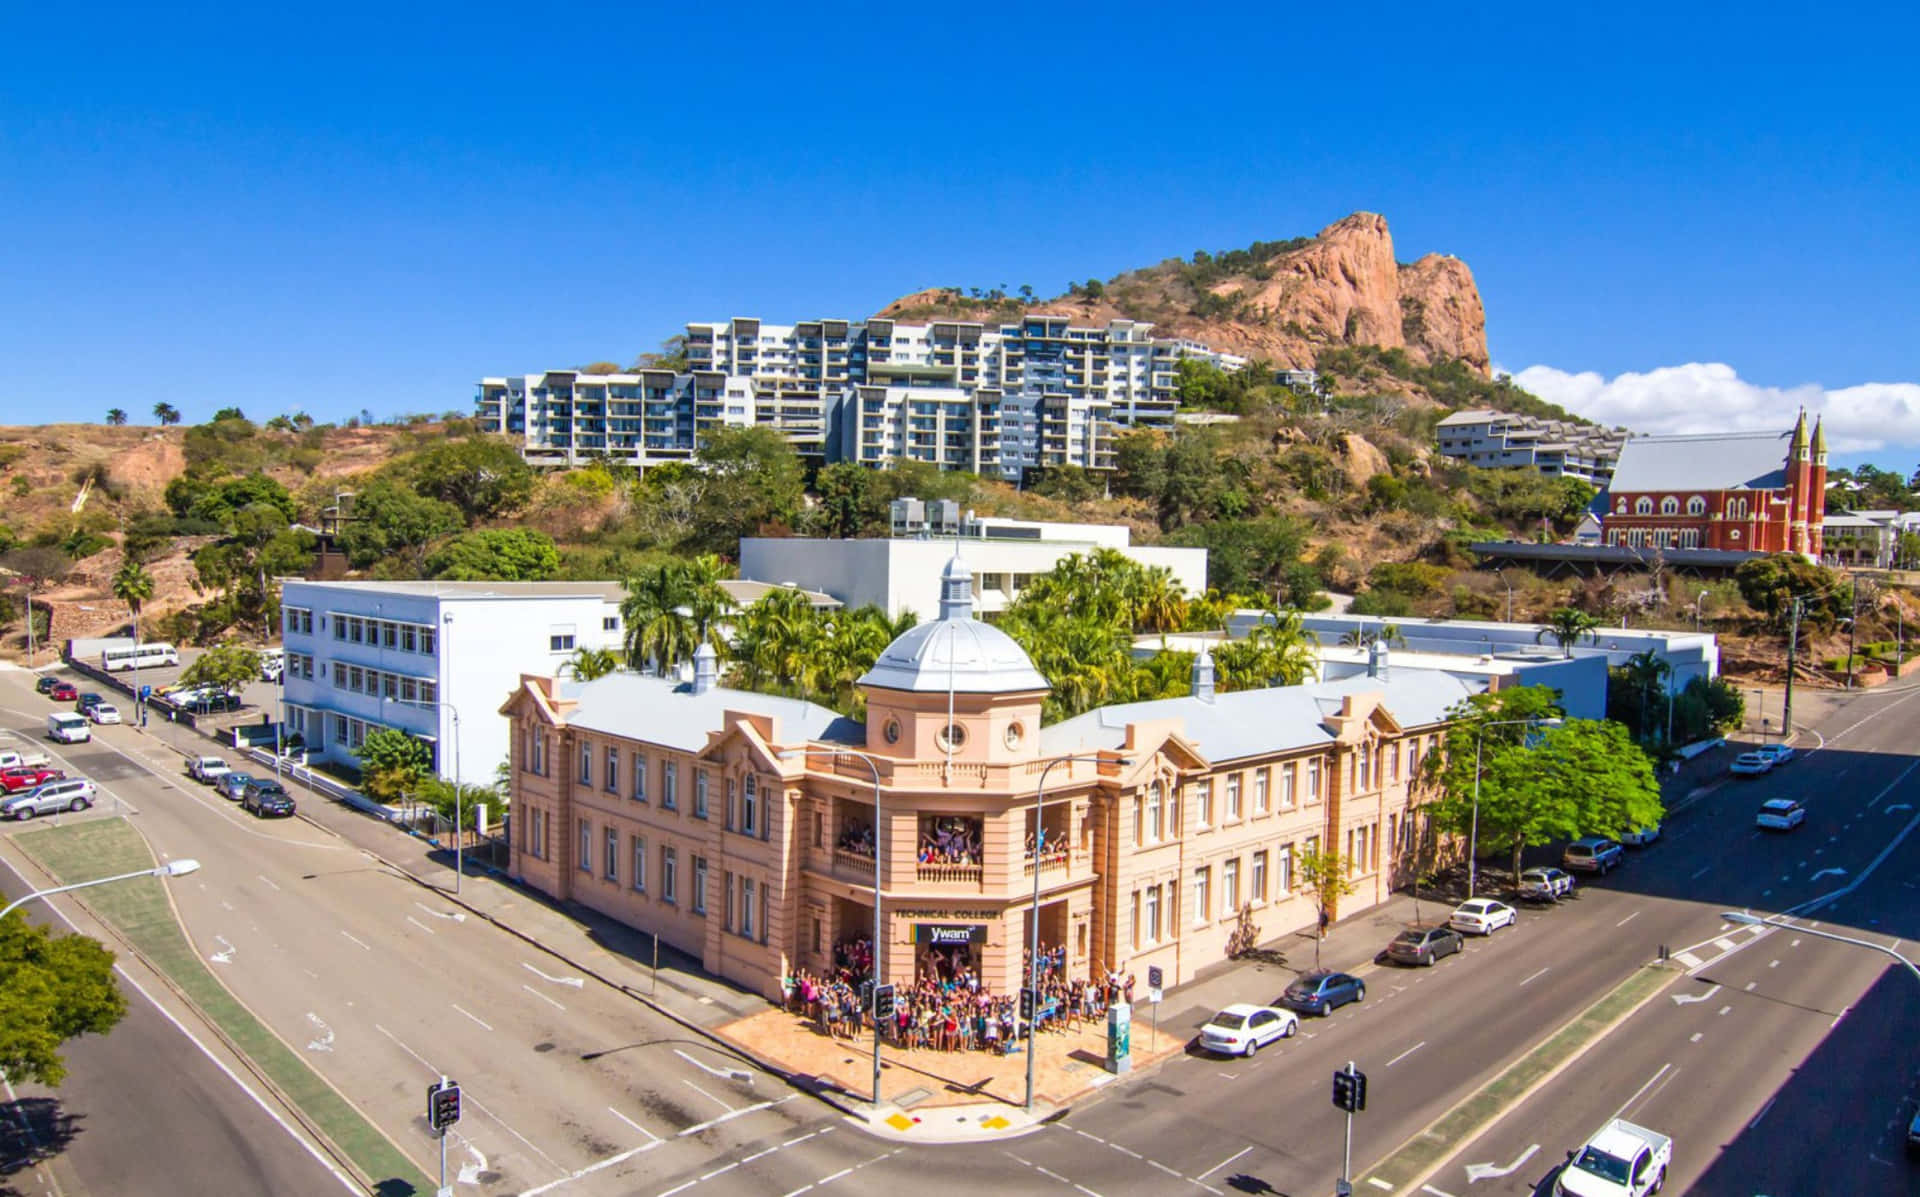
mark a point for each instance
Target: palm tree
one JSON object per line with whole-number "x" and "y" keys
{"x": 1361, "y": 636}
{"x": 1646, "y": 672}
{"x": 133, "y": 585}
{"x": 1278, "y": 651}
{"x": 116, "y": 416}
{"x": 707, "y": 604}
{"x": 1163, "y": 602}
{"x": 659, "y": 620}
{"x": 1567, "y": 626}
{"x": 166, "y": 413}
{"x": 586, "y": 664}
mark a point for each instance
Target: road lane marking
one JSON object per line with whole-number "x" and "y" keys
{"x": 1751, "y": 985}
{"x": 1435, "y": 1192}
{"x": 643, "y": 1130}
{"x": 1762, "y": 1113}
{"x": 1236, "y": 1155}
{"x": 1724, "y": 944}
{"x": 729, "y": 1074}
{"x": 468, "y": 1099}
{"x": 1403, "y": 1055}
{"x": 710, "y": 1097}
{"x": 416, "y": 922}
{"x": 1536, "y": 976}
{"x": 574, "y": 982}
{"x": 729, "y": 1168}
{"x": 1623, "y": 922}
{"x": 1723, "y": 1011}
{"x": 543, "y": 997}
{"x": 269, "y": 881}
{"x": 742, "y": 1112}
{"x": 1702, "y": 873}
{"x": 1377, "y": 1183}
{"x": 1687, "y": 958}
{"x": 1695, "y": 1037}
{"x": 1637, "y": 1093}
{"x": 473, "y": 1016}
{"x": 362, "y": 943}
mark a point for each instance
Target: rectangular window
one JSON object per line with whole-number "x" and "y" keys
{"x": 586, "y": 846}
{"x": 726, "y": 900}
{"x": 356, "y": 680}
{"x": 389, "y": 635}
{"x": 733, "y": 805}
{"x": 639, "y": 777}
{"x": 1203, "y": 804}
{"x": 1413, "y": 761}
{"x": 1313, "y": 780}
{"x": 1153, "y": 812}
{"x": 670, "y": 785}
{"x": 430, "y": 693}
{"x": 750, "y": 809}
{"x": 1283, "y": 870}
{"x": 612, "y": 854}
{"x": 1133, "y": 921}
{"x": 1139, "y": 819}
{"x": 699, "y": 793}
{"x": 1365, "y": 762}
{"x": 1230, "y": 887}
{"x": 1153, "y": 914}
{"x": 353, "y": 630}
{"x": 1287, "y": 774}
{"x": 339, "y": 627}
{"x": 560, "y": 638}
{"x": 699, "y": 885}
{"x": 586, "y": 764}
{"x": 609, "y": 623}
{"x": 409, "y": 690}
{"x": 409, "y": 639}
{"x": 1201, "y": 876}
{"x": 1233, "y": 796}
{"x": 746, "y": 907}
{"x": 1393, "y": 763}
{"x": 613, "y": 771}
{"x": 1258, "y": 890}
{"x": 669, "y": 875}
{"x": 428, "y": 641}
{"x": 1260, "y": 800}
{"x": 639, "y": 878}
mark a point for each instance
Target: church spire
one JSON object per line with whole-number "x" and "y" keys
{"x": 1797, "y": 448}
{"x": 1819, "y": 442}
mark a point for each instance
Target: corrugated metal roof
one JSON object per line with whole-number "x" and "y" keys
{"x": 662, "y": 711}
{"x": 1719, "y": 461}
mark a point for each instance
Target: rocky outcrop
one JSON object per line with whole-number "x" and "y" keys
{"x": 1441, "y": 313}
{"x": 1362, "y": 459}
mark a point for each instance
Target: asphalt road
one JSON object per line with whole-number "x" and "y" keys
{"x": 574, "y": 1088}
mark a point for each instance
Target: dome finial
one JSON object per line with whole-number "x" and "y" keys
{"x": 956, "y": 590}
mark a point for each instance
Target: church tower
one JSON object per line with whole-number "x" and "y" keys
{"x": 1799, "y": 486}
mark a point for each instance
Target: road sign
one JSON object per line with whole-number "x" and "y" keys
{"x": 1155, "y": 978}
{"x": 883, "y": 1002}
{"x": 1350, "y": 1089}
{"x": 443, "y": 1105}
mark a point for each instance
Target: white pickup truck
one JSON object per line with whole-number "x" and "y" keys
{"x": 207, "y": 769}
{"x": 1621, "y": 1160}
{"x": 10, "y": 759}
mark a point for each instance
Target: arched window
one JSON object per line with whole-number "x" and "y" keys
{"x": 1643, "y": 506}
{"x": 1696, "y": 506}
{"x": 1669, "y": 506}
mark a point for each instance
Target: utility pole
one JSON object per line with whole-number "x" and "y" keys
{"x": 1793, "y": 648}
{"x": 1853, "y": 625}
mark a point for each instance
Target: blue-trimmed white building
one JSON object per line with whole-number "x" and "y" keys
{"x": 429, "y": 658}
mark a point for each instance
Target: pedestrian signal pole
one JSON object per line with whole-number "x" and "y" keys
{"x": 443, "y": 1110}
{"x": 1349, "y": 1094}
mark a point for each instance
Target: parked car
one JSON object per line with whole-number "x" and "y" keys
{"x": 1750, "y": 764}
{"x": 63, "y": 692}
{"x": 1545, "y": 885}
{"x": 207, "y": 769}
{"x": 265, "y": 797}
{"x": 1321, "y": 991}
{"x": 21, "y": 778}
{"x": 1640, "y": 837}
{"x": 233, "y": 784}
{"x": 1243, "y": 1029}
{"x": 13, "y": 759}
{"x": 46, "y": 683}
{"x": 1592, "y": 854}
{"x": 87, "y": 700}
{"x": 1482, "y": 916}
{"x": 73, "y": 793}
{"x": 1780, "y": 814}
{"x": 1780, "y": 754}
{"x": 104, "y": 712}
{"x": 217, "y": 701}
{"x": 1425, "y": 945}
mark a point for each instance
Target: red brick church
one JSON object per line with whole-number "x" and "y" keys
{"x": 1762, "y": 492}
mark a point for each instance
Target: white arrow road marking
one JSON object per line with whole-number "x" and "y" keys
{"x": 325, "y": 1042}
{"x": 576, "y": 982}
{"x": 457, "y": 916}
{"x": 470, "y": 1173}
{"x": 225, "y": 956}
{"x": 1828, "y": 873}
{"x": 1687, "y": 999}
{"x": 732, "y": 1074}
{"x": 1480, "y": 1172}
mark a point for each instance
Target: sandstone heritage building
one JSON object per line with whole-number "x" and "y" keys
{"x": 741, "y": 828}
{"x": 1756, "y": 492}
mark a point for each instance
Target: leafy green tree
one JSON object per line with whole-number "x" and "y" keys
{"x": 1568, "y": 626}
{"x": 228, "y": 666}
{"x": 133, "y": 585}
{"x": 57, "y": 988}
{"x": 392, "y": 522}
{"x": 495, "y": 555}
{"x": 752, "y": 480}
{"x": 220, "y": 501}
{"x": 1770, "y": 584}
{"x": 1277, "y": 652}
{"x": 482, "y": 476}
{"x": 116, "y": 416}
{"x": 1325, "y": 877}
{"x": 844, "y": 488}
{"x": 392, "y": 763}
{"x": 587, "y": 664}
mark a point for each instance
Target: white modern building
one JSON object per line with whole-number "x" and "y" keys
{"x": 1556, "y": 448}
{"x": 903, "y": 573}
{"x": 430, "y": 659}
{"x": 992, "y": 399}
{"x": 1866, "y": 539}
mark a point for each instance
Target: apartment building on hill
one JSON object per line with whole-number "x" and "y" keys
{"x": 1557, "y": 448}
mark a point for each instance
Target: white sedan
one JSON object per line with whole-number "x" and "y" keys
{"x": 103, "y": 712}
{"x": 1780, "y": 814}
{"x": 1640, "y": 837}
{"x": 1481, "y": 916}
{"x": 1243, "y": 1029}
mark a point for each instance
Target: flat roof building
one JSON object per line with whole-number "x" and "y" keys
{"x": 1556, "y": 448}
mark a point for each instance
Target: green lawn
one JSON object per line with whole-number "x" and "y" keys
{"x": 139, "y": 911}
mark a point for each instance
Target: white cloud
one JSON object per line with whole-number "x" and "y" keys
{"x": 1711, "y": 397}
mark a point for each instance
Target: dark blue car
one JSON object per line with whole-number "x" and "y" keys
{"x": 1320, "y": 991}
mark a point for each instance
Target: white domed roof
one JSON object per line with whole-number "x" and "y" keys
{"x": 956, "y": 651}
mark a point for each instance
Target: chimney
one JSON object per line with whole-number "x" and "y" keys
{"x": 1377, "y": 658}
{"x": 704, "y": 668}
{"x": 1203, "y": 675}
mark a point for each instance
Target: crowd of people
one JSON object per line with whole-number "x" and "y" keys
{"x": 949, "y": 1008}
{"x": 952, "y": 840}
{"x": 857, "y": 840}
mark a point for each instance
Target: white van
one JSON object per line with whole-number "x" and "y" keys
{"x": 65, "y": 727}
{"x": 145, "y": 656}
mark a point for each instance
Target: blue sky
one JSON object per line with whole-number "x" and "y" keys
{"x": 331, "y": 210}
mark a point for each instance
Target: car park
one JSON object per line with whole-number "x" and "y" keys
{"x": 233, "y": 784}
{"x": 1751, "y": 764}
{"x": 1545, "y": 885}
{"x": 1780, "y": 814}
{"x": 1425, "y": 945}
{"x": 46, "y": 683}
{"x": 1591, "y": 854}
{"x": 104, "y": 712}
{"x": 1482, "y": 916}
{"x": 1243, "y": 1029}
{"x": 266, "y": 798}
{"x": 73, "y": 793}
{"x": 1322, "y": 991}
{"x": 63, "y": 692}
{"x": 23, "y": 778}
{"x": 1640, "y": 837}
{"x": 208, "y": 769}
{"x": 1779, "y": 754}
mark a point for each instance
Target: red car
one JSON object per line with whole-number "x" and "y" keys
{"x": 17, "y": 779}
{"x": 63, "y": 692}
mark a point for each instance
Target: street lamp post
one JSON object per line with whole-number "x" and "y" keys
{"x": 173, "y": 868}
{"x": 1473, "y": 834}
{"x": 1696, "y": 609}
{"x": 1753, "y": 920}
{"x": 873, "y": 1008}
{"x": 459, "y": 824}
{"x": 1502, "y": 575}
{"x": 1033, "y": 937}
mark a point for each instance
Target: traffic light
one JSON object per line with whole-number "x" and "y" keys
{"x": 1350, "y": 1090}
{"x": 443, "y": 1105}
{"x": 883, "y": 1002}
{"x": 1026, "y": 1005}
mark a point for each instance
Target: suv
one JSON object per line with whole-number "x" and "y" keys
{"x": 264, "y": 797}
{"x": 1545, "y": 885}
{"x": 1424, "y": 945}
{"x": 74, "y": 793}
{"x": 1594, "y": 854}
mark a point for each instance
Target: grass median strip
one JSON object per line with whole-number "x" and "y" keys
{"x": 1418, "y": 1156}
{"x": 139, "y": 910}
